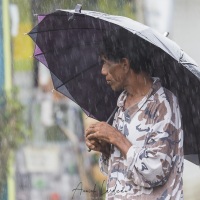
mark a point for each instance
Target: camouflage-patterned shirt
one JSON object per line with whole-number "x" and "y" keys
{"x": 153, "y": 167}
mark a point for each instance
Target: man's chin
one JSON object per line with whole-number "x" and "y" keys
{"x": 116, "y": 89}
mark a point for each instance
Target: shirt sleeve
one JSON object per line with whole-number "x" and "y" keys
{"x": 150, "y": 166}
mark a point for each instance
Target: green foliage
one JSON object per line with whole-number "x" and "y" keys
{"x": 120, "y": 7}
{"x": 11, "y": 130}
{"x": 116, "y": 7}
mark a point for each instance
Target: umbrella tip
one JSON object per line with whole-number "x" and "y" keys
{"x": 78, "y": 8}
{"x": 25, "y": 33}
{"x": 166, "y": 34}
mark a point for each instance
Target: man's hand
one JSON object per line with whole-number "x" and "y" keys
{"x": 100, "y": 135}
{"x": 102, "y": 132}
{"x": 99, "y": 146}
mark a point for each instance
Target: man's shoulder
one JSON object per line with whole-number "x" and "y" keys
{"x": 167, "y": 96}
{"x": 167, "y": 102}
{"x": 162, "y": 92}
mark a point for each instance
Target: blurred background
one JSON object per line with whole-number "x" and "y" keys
{"x": 42, "y": 151}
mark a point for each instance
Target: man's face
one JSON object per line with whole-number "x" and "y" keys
{"x": 114, "y": 73}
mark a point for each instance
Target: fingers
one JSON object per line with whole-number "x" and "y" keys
{"x": 97, "y": 131}
{"x": 90, "y": 145}
{"x": 93, "y": 145}
{"x": 90, "y": 130}
{"x": 92, "y": 136}
{"x": 93, "y": 128}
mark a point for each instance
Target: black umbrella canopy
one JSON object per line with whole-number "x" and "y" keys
{"x": 68, "y": 42}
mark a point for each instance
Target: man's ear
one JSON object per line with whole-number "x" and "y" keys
{"x": 125, "y": 64}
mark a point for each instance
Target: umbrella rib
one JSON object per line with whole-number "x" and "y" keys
{"x": 52, "y": 30}
{"x": 189, "y": 63}
{"x": 94, "y": 65}
{"x": 150, "y": 41}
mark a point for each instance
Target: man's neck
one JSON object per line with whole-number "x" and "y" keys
{"x": 138, "y": 85}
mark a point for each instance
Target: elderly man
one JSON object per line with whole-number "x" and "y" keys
{"x": 142, "y": 152}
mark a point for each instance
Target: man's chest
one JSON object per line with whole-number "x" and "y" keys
{"x": 135, "y": 129}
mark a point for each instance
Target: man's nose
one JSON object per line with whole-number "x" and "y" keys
{"x": 104, "y": 70}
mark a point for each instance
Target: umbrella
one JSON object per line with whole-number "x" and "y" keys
{"x": 67, "y": 42}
